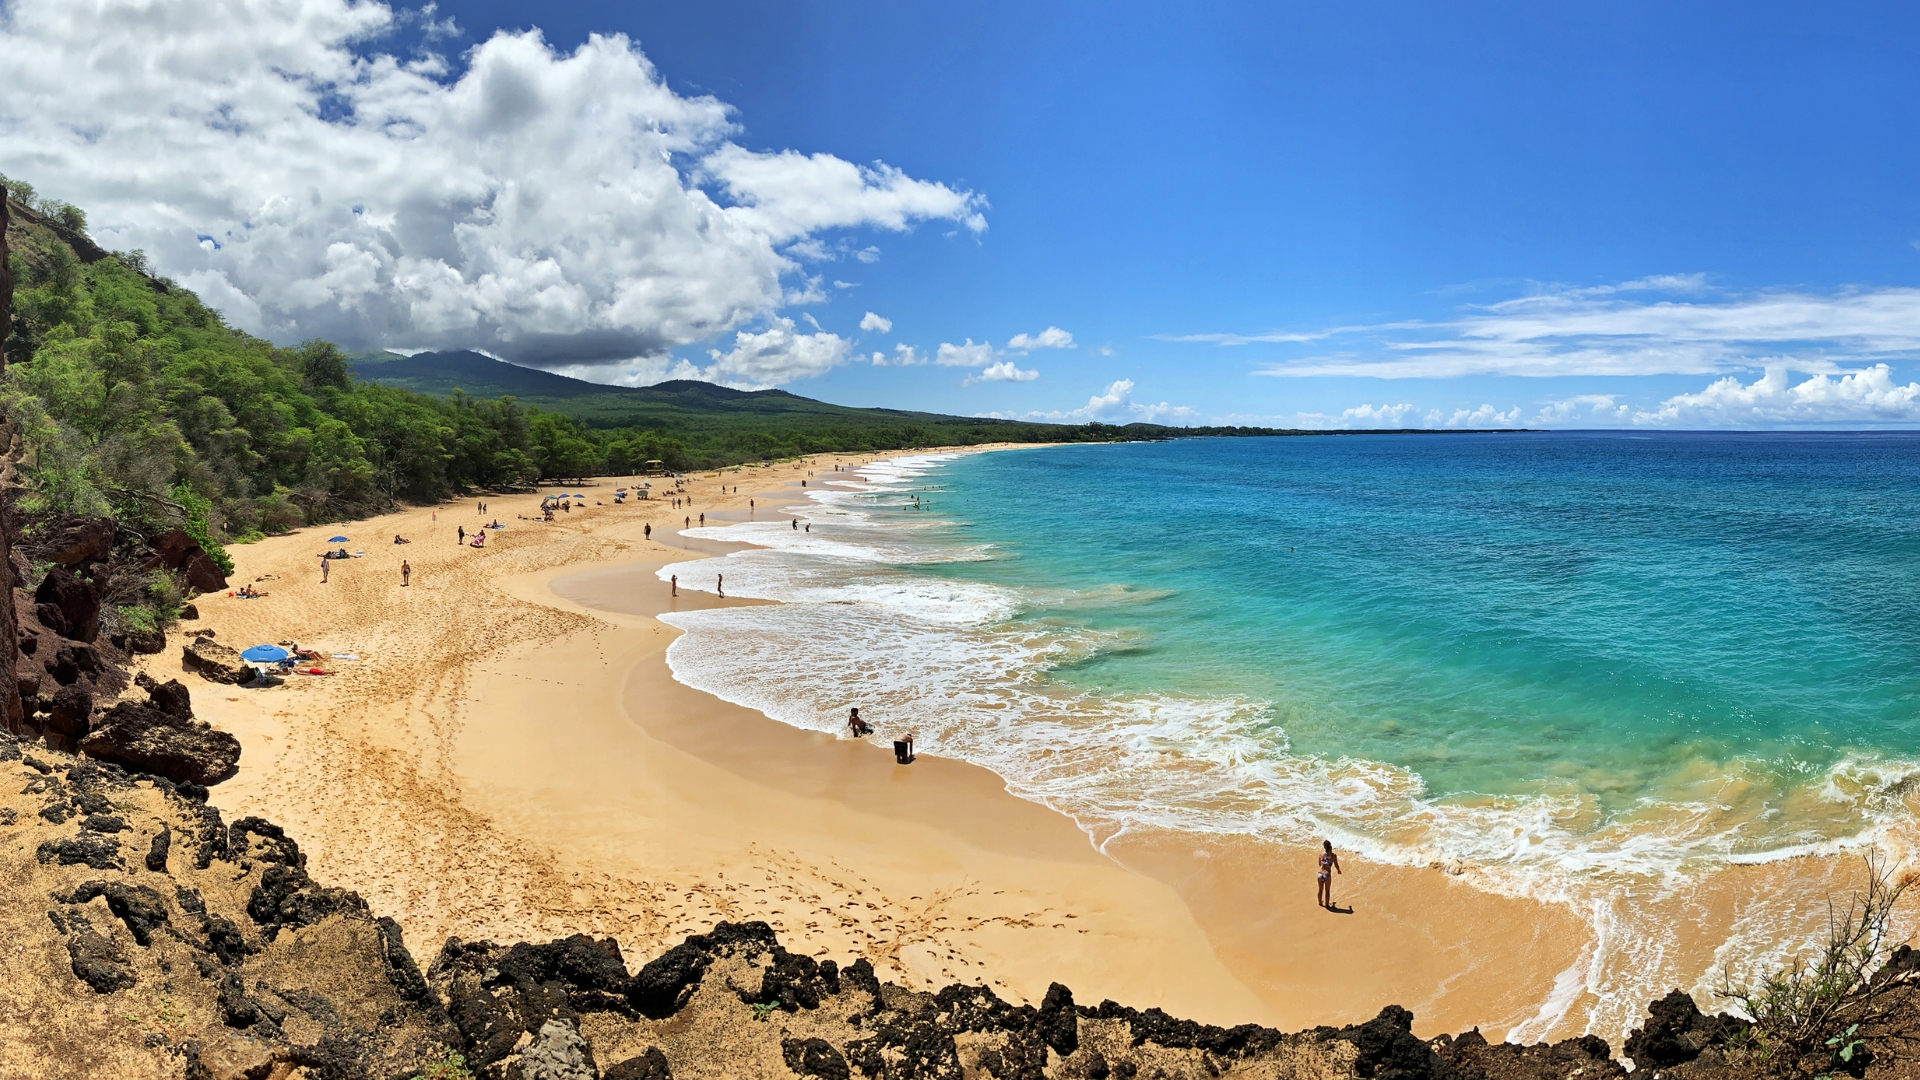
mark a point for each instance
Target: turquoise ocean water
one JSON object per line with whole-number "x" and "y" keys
{"x": 1570, "y": 663}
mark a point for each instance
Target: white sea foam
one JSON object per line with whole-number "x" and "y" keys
{"x": 863, "y": 620}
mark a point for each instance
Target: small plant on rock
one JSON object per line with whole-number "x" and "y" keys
{"x": 1814, "y": 1012}
{"x": 450, "y": 1065}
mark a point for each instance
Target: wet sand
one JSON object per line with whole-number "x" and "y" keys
{"x": 511, "y": 758}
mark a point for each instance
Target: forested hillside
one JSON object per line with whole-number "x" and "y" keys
{"x": 701, "y": 424}
{"x": 135, "y": 399}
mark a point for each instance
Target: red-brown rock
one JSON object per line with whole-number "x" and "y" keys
{"x": 73, "y": 540}
{"x": 68, "y": 605}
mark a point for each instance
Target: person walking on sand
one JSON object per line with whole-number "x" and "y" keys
{"x": 406, "y": 574}
{"x": 1329, "y": 865}
{"x": 720, "y": 585}
{"x": 674, "y": 584}
{"x": 459, "y": 535}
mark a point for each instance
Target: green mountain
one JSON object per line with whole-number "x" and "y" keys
{"x": 696, "y": 424}
{"x": 667, "y": 404}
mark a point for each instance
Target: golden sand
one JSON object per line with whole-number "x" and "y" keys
{"x": 509, "y": 758}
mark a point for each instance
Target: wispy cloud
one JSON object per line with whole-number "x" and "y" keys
{"x": 1667, "y": 325}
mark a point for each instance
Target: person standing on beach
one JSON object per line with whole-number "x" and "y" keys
{"x": 649, "y": 530}
{"x": 703, "y": 520}
{"x": 459, "y": 535}
{"x": 1329, "y": 865}
{"x": 720, "y": 585}
{"x": 796, "y": 524}
{"x": 406, "y": 574}
{"x": 326, "y": 564}
{"x": 686, "y": 523}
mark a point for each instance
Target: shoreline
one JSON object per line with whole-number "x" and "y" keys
{"x": 528, "y": 828}
{"x": 558, "y": 779}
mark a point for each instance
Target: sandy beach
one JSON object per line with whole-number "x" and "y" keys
{"x": 509, "y": 757}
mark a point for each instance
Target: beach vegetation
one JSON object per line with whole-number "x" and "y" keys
{"x": 1815, "y": 1016}
{"x": 450, "y": 1064}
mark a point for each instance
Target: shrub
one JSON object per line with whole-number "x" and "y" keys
{"x": 1810, "y": 1015}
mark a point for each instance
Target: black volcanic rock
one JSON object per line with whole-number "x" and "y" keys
{"x": 651, "y": 1065}
{"x": 99, "y": 963}
{"x": 813, "y": 1057}
{"x": 1676, "y": 1032}
{"x": 144, "y": 738}
{"x": 138, "y": 906}
{"x": 98, "y": 852}
{"x": 216, "y": 663}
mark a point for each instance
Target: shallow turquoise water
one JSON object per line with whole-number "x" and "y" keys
{"x": 1608, "y": 614}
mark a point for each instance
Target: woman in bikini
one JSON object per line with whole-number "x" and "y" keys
{"x": 1329, "y": 865}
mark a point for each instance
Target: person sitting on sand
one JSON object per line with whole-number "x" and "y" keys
{"x": 859, "y": 727}
{"x": 398, "y": 539}
{"x": 1329, "y": 865}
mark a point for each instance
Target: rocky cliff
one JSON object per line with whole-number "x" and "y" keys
{"x": 147, "y": 937}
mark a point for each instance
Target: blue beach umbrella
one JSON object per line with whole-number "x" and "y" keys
{"x": 336, "y": 539}
{"x": 264, "y": 654}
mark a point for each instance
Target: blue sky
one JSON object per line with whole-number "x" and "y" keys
{"x": 1692, "y": 215}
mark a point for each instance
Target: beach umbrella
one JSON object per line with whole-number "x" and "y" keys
{"x": 336, "y": 539}
{"x": 264, "y": 654}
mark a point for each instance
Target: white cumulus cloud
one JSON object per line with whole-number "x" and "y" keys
{"x": 1051, "y": 338}
{"x": 968, "y": 355}
{"x": 903, "y": 356}
{"x": 1484, "y": 416}
{"x": 551, "y": 207}
{"x": 870, "y": 321}
{"x": 1868, "y": 395}
{"x": 777, "y": 355}
{"x": 1003, "y": 371}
